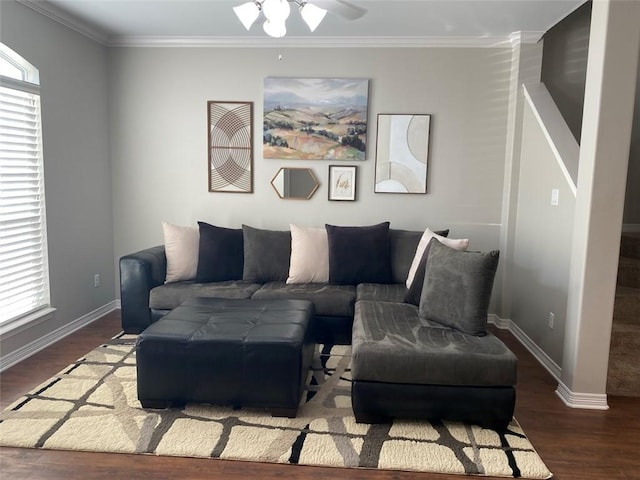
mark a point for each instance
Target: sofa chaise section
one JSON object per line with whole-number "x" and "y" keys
{"x": 406, "y": 367}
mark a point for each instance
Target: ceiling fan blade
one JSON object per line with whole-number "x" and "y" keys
{"x": 340, "y": 7}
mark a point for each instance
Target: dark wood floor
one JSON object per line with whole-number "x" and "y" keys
{"x": 575, "y": 444}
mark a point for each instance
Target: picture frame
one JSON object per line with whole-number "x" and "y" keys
{"x": 342, "y": 182}
{"x": 402, "y": 152}
{"x": 230, "y": 145}
{"x": 315, "y": 118}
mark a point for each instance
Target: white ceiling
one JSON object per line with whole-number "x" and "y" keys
{"x": 387, "y": 22}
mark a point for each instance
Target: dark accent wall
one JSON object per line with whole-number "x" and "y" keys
{"x": 564, "y": 72}
{"x": 564, "y": 65}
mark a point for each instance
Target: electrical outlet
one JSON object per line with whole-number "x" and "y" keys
{"x": 552, "y": 319}
{"x": 96, "y": 280}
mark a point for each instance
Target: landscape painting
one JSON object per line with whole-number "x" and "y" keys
{"x": 315, "y": 118}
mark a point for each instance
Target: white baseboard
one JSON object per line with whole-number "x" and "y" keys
{"x": 34, "y": 347}
{"x": 589, "y": 401}
{"x": 545, "y": 360}
{"x": 631, "y": 227}
{"x": 501, "y": 323}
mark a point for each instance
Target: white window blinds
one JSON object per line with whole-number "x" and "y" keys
{"x": 24, "y": 285}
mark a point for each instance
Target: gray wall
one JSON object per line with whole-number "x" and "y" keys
{"x": 543, "y": 241}
{"x": 73, "y": 77}
{"x": 159, "y": 140}
{"x": 564, "y": 71}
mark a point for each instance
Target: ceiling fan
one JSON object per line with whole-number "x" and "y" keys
{"x": 342, "y": 8}
{"x": 276, "y": 13}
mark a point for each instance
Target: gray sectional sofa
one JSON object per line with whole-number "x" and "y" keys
{"x": 404, "y": 364}
{"x": 145, "y": 297}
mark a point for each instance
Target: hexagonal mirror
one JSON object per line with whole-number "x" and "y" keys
{"x": 295, "y": 183}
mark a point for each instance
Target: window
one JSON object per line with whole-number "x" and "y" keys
{"x": 24, "y": 279}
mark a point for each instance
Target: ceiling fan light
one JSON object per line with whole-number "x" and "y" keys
{"x": 247, "y": 13}
{"x": 275, "y": 29}
{"x": 312, "y": 15}
{"x": 276, "y": 10}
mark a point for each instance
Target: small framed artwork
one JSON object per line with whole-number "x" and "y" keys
{"x": 230, "y": 146}
{"x": 342, "y": 182}
{"x": 401, "y": 153}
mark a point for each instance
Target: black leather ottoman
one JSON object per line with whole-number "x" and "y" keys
{"x": 233, "y": 352}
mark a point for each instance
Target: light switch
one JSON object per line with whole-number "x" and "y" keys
{"x": 555, "y": 195}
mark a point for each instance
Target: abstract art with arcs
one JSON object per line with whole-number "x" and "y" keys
{"x": 230, "y": 147}
{"x": 401, "y": 154}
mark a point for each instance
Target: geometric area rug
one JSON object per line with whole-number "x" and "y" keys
{"x": 92, "y": 405}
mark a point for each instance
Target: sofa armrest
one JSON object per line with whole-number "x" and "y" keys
{"x": 139, "y": 273}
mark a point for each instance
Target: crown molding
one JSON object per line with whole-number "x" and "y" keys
{"x": 312, "y": 42}
{"x": 62, "y": 17}
{"x": 58, "y": 15}
{"x": 517, "y": 38}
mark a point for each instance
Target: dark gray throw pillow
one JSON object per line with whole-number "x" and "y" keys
{"x": 457, "y": 288}
{"x": 220, "y": 255}
{"x": 267, "y": 254}
{"x": 359, "y": 254}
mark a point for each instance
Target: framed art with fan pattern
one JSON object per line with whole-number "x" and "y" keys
{"x": 230, "y": 146}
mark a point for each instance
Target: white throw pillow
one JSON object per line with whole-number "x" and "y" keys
{"x": 181, "y": 246}
{"x": 457, "y": 243}
{"x": 309, "y": 255}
